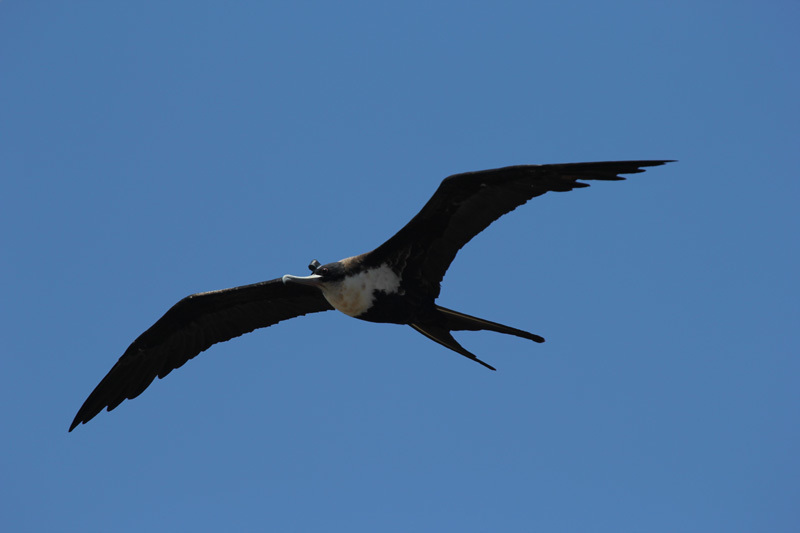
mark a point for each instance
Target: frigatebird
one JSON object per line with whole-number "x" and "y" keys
{"x": 398, "y": 282}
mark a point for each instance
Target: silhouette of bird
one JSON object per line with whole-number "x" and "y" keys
{"x": 398, "y": 282}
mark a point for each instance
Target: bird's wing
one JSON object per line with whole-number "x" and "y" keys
{"x": 191, "y": 326}
{"x": 465, "y": 204}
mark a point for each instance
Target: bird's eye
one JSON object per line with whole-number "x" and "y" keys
{"x": 324, "y": 271}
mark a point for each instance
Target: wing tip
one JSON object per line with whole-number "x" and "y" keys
{"x": 83, "y": 416}
{"x": 648, "y": 163}
{"x": 607, "y": 170}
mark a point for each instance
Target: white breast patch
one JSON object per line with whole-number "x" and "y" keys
{"x": 355, "y": 294}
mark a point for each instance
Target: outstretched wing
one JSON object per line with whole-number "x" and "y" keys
{"x": 465, "y": 204}
{"x": 191, "y": 326}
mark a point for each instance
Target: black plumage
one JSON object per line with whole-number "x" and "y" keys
{"x": 397, "y": 282}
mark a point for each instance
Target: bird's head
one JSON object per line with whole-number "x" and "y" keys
{"x": 320, "y": 276}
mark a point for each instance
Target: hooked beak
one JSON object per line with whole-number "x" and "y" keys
{"x": 313, "y": 280}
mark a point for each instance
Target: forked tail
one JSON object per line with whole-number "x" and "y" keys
{"x": 449, "y": 320}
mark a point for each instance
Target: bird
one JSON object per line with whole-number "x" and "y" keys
{"x": 397, "y": 282}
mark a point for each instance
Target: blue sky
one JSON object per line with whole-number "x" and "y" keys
{"x": 150, "y": 150}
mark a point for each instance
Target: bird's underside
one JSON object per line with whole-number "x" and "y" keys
{"x": 397, "y": 282}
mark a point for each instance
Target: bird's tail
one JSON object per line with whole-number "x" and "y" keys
{"x": 454, "y": 321}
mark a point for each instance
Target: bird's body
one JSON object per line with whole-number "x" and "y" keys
{"x": 398, "y": 282}
{"x": 363, "y": 292}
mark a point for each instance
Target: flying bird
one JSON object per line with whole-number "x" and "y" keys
{"x": 398, "y": 282}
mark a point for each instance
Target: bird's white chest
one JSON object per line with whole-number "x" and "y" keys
{"x": 355, "y": 294}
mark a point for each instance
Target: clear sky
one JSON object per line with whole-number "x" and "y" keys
{"x": 149, "y": 150}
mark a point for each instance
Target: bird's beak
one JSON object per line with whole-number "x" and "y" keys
{"x": 313, "y": 280}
